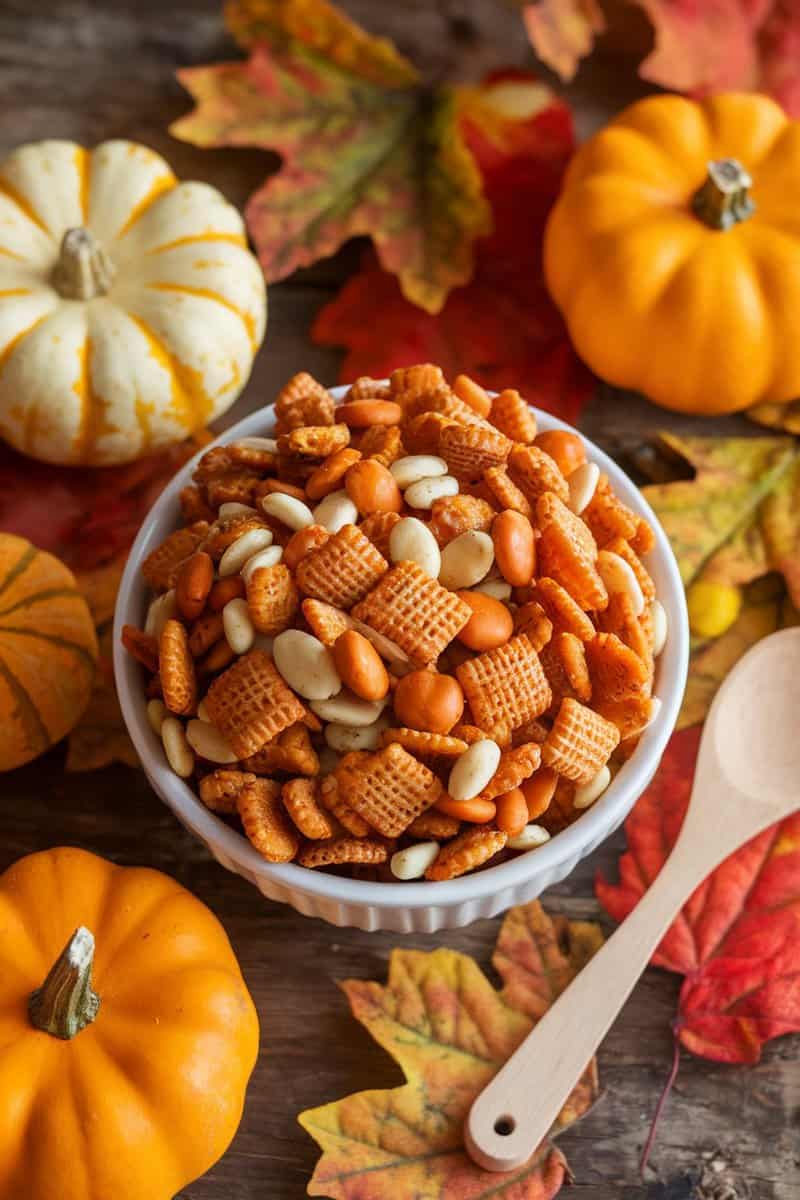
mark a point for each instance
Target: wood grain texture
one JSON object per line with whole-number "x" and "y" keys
{"x": 93, "y": 69}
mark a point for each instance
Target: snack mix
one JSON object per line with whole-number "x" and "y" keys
{"x": 404, "y": 636}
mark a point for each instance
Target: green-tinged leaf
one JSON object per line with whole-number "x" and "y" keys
{"x": 719, "y": 511}
{"x": 450, "y": 1031}
{"x": 366, "y": 149}
{"x": 323, "y": 28}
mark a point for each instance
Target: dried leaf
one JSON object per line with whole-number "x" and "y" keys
{"x": 736, "y": 522}
{"x": 502, "y": 328}
{"x": 737, "y": 940}
{"x": 100, "y": 737}
{"x": 450, "y": 1031}
{"x": 730, "y": 44}
{"x": 562, "y": 32}
{"x": 86, "y": 517}
{"x": 745, "y": 45}
{"x": 366, "y": 148}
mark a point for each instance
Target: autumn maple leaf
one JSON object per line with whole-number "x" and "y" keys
{"x": 366, "y": 147}
{"x": 450, "y": 1031}
{"x": 737, "y": 939}
{"x": 737, "y": 522}
{"x": 501, "y": 328}
{"x": 700, "y": 48}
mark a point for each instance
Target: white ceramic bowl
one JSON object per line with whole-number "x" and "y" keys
{"x": 405, "y": 907}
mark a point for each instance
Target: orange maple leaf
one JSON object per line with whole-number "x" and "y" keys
{"x": 450, "y": 1031}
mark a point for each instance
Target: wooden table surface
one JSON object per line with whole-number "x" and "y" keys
{"x": 94, "y": 69}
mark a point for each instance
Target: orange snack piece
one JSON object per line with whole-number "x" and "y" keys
{"x": 428, "y": 701}
{"x": 607, "y": 516}
{"x": 141, "y": 646}
{"x": 515, "y": 766}
{"x": 219, "y": 791}
{"x": 338, "y": 851}
{"x": 250, "y": 704}
{"x": 326, "y": 622}
{"x": 565, "y": 614}
{"x": 564, "y": 447}
{"x": 533, "y": 621}
{"x": 388, "y": 789}
{"x": 384, "y": 443}
{"x": 490, "y": 625}
{"x": 513, "y": 417}
{"x": 272, "y": 598}
{"x": 568, "y": 553}
{"x": 299, "y": 798}
{"x": 505, "y": 687}
{"x": 372, "y": 488}
{"x": 313, "y": 441}
{"x": 434, "y": 824}
{"x": 512, "y": 812}
{"x": 302, "y": 543}
{"x": 514, "y": 547}
{"x": 535, "y": 473}
{"x": 361, "y": 414}
{"x": 453, "y": 515}
{"x": 160, "y": 568}
{"x": 476, "y": 811}
{"x": 617, "y": 672}
{"x": 469, "y": 850}
{"x": 423, "y": 744}
{"x": 265, "y": 822}
{"x": 564, "y": 662}
{"x": 378, "y": 527}
{"x": 194, "y": 582}
{"x": 414, "y": 611}
{"x": 328, "y": 475}
{"x": 469, "y": 450}
{"x": 472, "y": 394}
{"x": 538, "y": 791}
{"x": 291, "y": 751}
{"x": 303, "y": 401}
{"x": 505, "y": 493}
{"x": 343, "y": 570}
{"x": 580, "y": 742}
{"x": 224, "y": 590}
{"x": 176, "y": 668}
{"x": 205, "y": 632}
{"x": 360, "y": 666}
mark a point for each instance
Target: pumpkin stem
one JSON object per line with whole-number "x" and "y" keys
{"x": 83, "y": 270}
{"x": 723, "y": 200}
{"x": 65, "y": 1003}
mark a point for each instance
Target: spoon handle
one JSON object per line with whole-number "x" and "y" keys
{"x": 509, "y": 1119}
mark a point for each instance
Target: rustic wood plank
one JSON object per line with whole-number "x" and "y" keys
{"x": 89, "y": 71}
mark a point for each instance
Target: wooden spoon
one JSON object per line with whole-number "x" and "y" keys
{"x": 747, "y": 778}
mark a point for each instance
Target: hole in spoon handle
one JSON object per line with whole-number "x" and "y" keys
{"x": 496, "y": 1138}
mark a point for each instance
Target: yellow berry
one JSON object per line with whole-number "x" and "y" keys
{"x": 713, "y": 608}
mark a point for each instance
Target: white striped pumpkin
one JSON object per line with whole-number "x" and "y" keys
{"x": 130, "y": 306}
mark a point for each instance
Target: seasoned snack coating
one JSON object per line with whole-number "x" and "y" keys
{"x": 272, "y": 598}
{"x": 176, "y": 668}
{"x": 469, "y": 850}
{"x": 250, "y": 704}
{"x": 342, "y": 570}
{"x": 505, "y": 687}
{"x": 160, "y": 568}
{"x": 414, "y": 611}
{"x": 220, "y": 790}
{"x": 336, "y": 851}
{"x": 265, "y": 822}
{"x": 300, "y": 801}
{"x": 389, "y": 789}
{"x": 580, "y": 742}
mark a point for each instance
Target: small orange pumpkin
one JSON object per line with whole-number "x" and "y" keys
{"x": 674, "y": 252}
{"x": 123, "y": 1068}
{"x": 48, "y": 650}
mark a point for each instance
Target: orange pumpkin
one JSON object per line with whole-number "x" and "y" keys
{"x": 122, "y": 1070}
{"x": 48, "y": 650}
{"x": 674, "y": 252}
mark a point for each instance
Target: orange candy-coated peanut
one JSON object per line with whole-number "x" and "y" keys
{"x": 330, "y": 473}
{"x": 477, "y": 811}
{"x": 269, "y": 487}
{"x": 514, "y": 547}
{"x": 195, "y": 580}
{"x": 302, "y": 543}
{"x": 472, "y": 394}
{"x": 490, "y": 625}
{"x": 224, "y": 590}
{"x": 430, "y": 701}
{"x": 360, "y": 666}
{"x": 362, "y": 414}
{"x": 566, "y": 448}
{"x": 539, "y": 791}
{"x": 512, "y": 812}
{"x": 373, "y": 488}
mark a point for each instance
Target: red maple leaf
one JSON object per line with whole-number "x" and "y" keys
{"x": 501, "y": 328}
{"x": 737, "y": 940}
{"x": 85, "y": 516}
